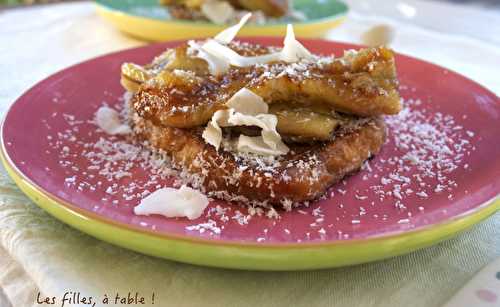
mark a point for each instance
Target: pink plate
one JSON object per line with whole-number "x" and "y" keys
{"x": 440, "y": 163}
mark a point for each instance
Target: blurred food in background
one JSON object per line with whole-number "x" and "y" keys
{"x": 222, "y": 12}
{"x": 155, "y": 21}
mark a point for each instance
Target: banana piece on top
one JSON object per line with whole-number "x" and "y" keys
{"x": 177, "y": 89}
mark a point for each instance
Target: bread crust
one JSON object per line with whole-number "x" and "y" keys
{"x": 303, "y": 174}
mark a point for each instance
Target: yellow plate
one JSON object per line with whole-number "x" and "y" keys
{"x": 150, "y": 21}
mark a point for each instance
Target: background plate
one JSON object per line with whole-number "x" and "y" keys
{"x": 382, "y": 211}
{"x": 148, "y": 20}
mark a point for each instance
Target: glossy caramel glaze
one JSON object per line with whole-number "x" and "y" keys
{"x": 181, "y": 93}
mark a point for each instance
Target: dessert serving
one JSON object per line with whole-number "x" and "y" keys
{"x": 206, "y": 121}
{"x": 262, "y": 125}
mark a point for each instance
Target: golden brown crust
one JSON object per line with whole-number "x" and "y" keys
{"x": 363, "y": 83}
{"x": 303, "y": 174}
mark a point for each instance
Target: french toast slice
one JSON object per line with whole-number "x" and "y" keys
{"x": 303, "y": 174}
{"x": 362, "y": 83}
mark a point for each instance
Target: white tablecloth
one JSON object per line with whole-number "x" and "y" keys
{"x": 38, "y": 253}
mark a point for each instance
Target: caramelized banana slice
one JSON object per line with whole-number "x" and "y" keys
{"x": 129, "y": 85}
{"x": 363, "y": 84}
{"x": 132, "y": 76}
{"x": 180, "y": 60}
{"x": 297, "y": 125}
{"x": 181, "y": 88}
{"x": 303, "y": 122}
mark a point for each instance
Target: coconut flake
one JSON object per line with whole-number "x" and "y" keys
{"x": 267, "y": 122}
{"x": 247, "y": 102}
{"x": 109, "y": 121}
{"x": 213, "y": 133}
{"x": 216, "y": 66}
{"x": 227, "y": 35}
{"x": 293, "y": 50}
{"x": 170, "y": 202}
{"x": 231, "y": 57}
{"x": 220, "y": 57}
{"x": 229, "y": 118}
{"x": 247, "y": 109}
